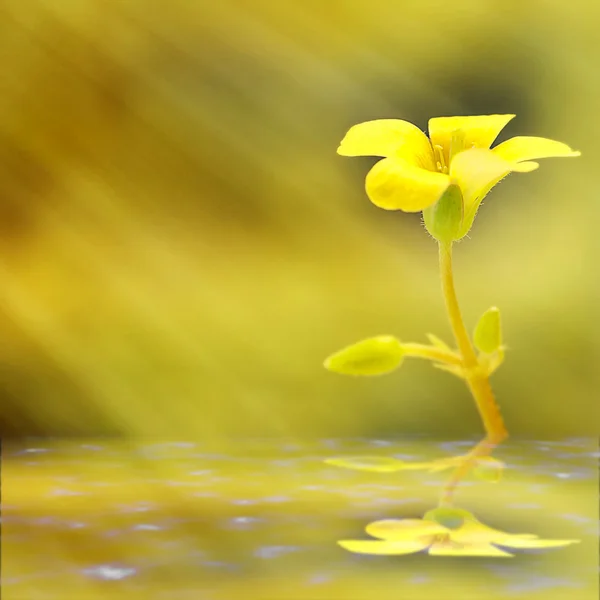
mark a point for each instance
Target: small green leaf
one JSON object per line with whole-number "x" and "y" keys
{"x": 489, "y": 469}
{"x": 435, "y": 341}
{"x": 376, "y": 464}
{"x": 374, "y": 356}
{"x": 488, "y": 334}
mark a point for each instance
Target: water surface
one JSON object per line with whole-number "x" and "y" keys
{"x": 258, "y": 519}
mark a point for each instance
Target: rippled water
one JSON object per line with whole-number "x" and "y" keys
{"x": 259, "y": 519}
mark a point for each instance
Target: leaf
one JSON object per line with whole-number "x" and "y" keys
{"x": 488, "y": 334}
{"x": 435, "y": 341}
{"x": 373, "y": 356}
{"x": 489, "y": 469}
{"x": 375, "y": 464}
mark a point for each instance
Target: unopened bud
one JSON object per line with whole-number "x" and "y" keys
{"x": 488, "y": 333}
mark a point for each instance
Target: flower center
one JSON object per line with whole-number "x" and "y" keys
{"x": 440, "y": 161}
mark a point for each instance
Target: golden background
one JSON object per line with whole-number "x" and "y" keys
{"x": 181, "y": 247}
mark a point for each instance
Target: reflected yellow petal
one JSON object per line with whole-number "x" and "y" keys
{"x": 522, "y": 148}
{"x": 452, "y": 549}
{"x": 383, "y": 548}
{"x": 474, "y": 532}
{"x": 389, "y": 137}
{"x": 395, "y": 184}
{"x": 478, "y": 131}
{"x": 521, "y": 542}
{"x": 404, "y": 529}
{"x": 476, "y": 171}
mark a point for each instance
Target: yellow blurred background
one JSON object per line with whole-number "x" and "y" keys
{"x": 181, "y": 247}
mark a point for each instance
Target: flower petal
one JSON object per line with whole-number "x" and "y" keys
{"x": 404, "y": 529}
{"x": 473, "y": 531}
{"x": 478, "y": 131}
{"x": 376, "y": 464}
{"x": 476, "y": 171}
{"x": 384, "y": 548}
{"x": 389, "y": 137}
{"x": 520, "y": 542}
{"x": 522, "y": 148}
{"x": 452, "y": 549}
{"x": 395, "y": 184}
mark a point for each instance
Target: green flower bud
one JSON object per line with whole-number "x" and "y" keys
{"x": 488, "y": 333}
{"x": 444, "y": 219}
{"x": 374, "y": 356}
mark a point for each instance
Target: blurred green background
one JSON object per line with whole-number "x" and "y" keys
{"x": 181, "y": 247}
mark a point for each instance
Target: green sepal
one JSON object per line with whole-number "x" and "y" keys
{"x": 444, "y": 219}
{"x": 449, "y": 517}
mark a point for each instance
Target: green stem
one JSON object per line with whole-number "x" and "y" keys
{"x": 477, "y": 381}
{"x": 432, "y": 353}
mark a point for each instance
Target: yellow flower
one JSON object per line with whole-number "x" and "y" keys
{"x": 444, "y": 532}
{"x": 417, "y": 170}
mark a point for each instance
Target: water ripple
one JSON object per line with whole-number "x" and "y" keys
{"x": 109, "y": 572}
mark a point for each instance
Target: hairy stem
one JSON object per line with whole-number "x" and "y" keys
{"x": 477, "y": 382}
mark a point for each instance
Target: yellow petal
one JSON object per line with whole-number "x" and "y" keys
{"x": 395, "y": 184}
{"x": 375, "y": 464}
{"x": 404, "y": 529}
{"x": 478, "y": 131}
{"x": 520, "y": 542}
{"x": 389, "y": 137}
{"x": 383, "y": 548}
{"x": 474, "y": 532}
{"x": 476, "y": 171}
{"x": 452, "y": 549}
{"x": 522, "y": 148}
